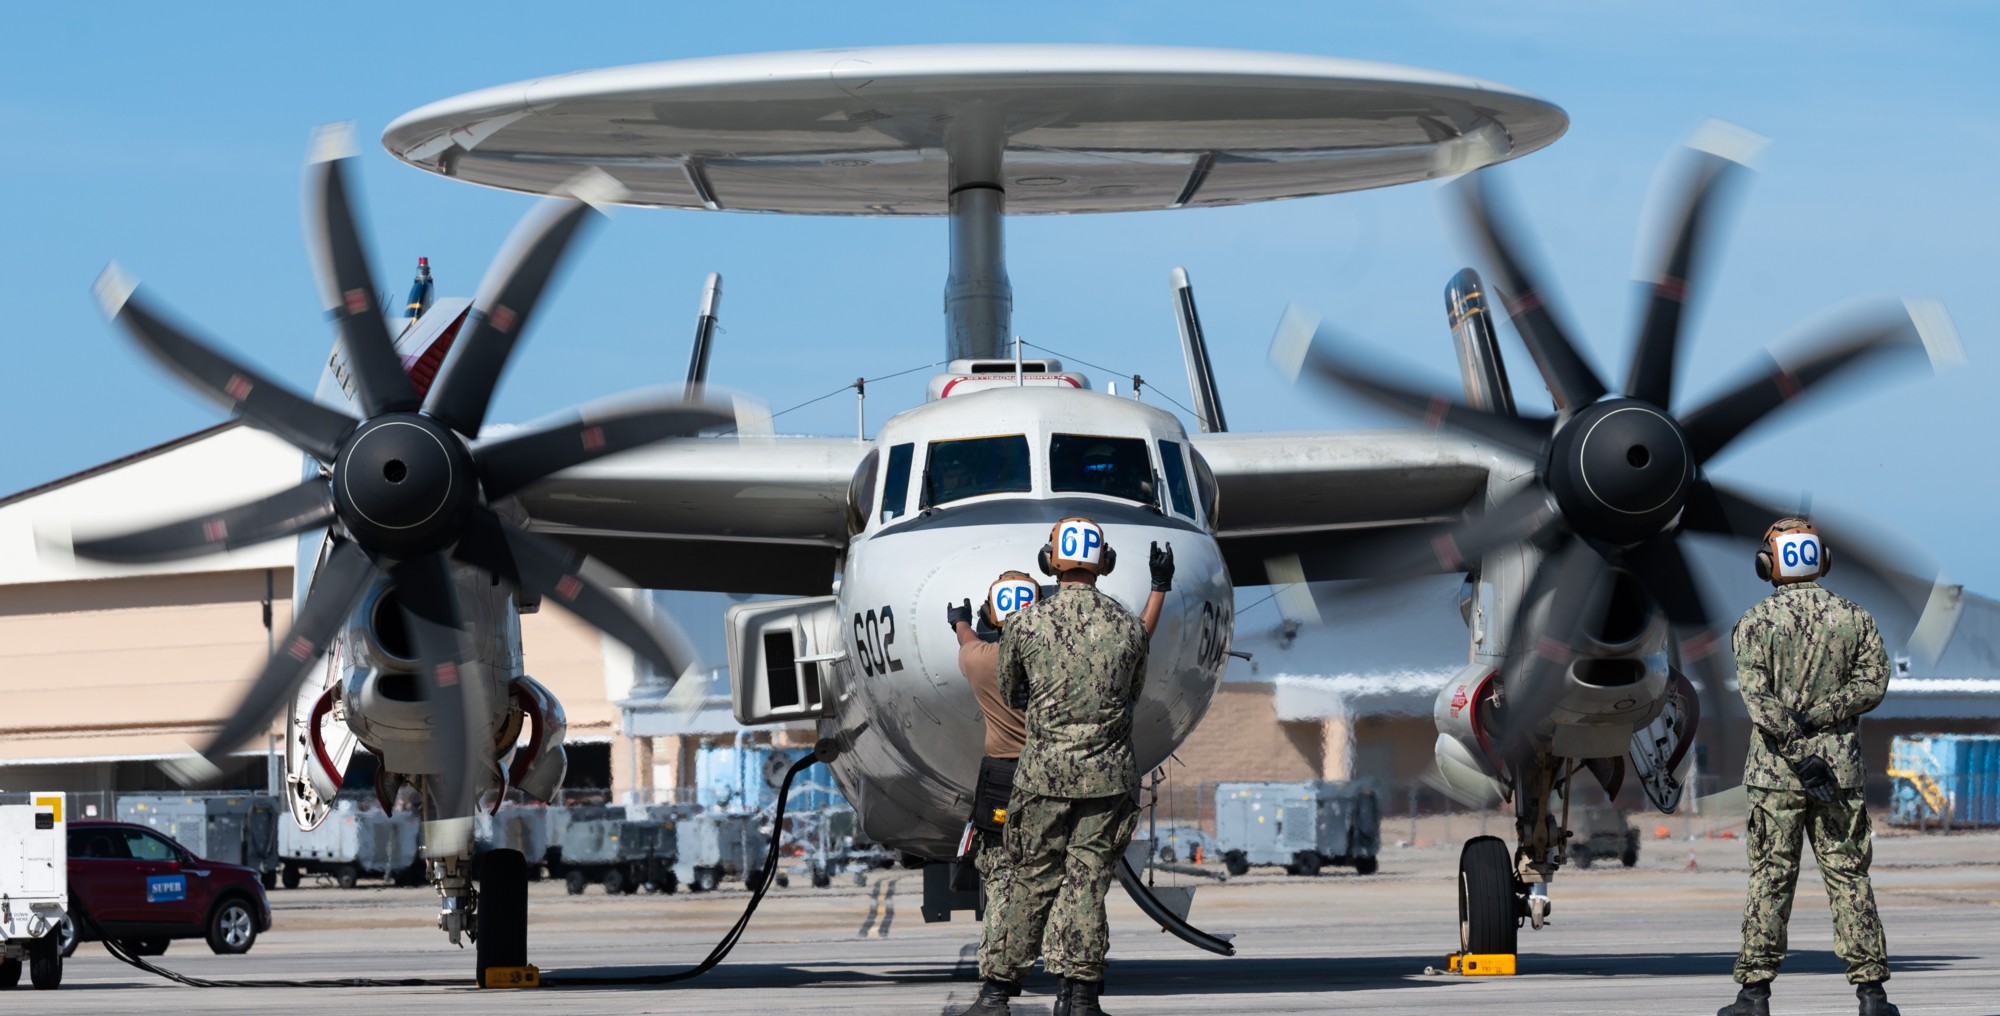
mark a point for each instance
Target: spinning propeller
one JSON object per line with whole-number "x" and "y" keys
{"x": 1619, "y": 476}
{"x": 403, "y": 487}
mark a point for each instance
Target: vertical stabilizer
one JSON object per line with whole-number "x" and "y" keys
{"x": 1479, "y": 362}
{"x": 704, "y": 334}
{"x": 1194, "y": 349}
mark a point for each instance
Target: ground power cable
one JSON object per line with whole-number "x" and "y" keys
{"x": 766, "y": 876}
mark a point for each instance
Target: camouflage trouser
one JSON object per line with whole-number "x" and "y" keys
{"x": 996, "y": 881}
{"x": 1844, "y": 844}
{"x": 1061, "y": 851}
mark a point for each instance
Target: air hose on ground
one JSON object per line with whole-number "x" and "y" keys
{"x": 766, "y": 876}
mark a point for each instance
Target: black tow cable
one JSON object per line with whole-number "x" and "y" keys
{"x": 721, "y": 951}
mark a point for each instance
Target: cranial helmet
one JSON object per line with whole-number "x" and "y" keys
{"x": 1077, "y": 543}
{"x": 1792, "y": 552}
{"x": 1008, "y": 594}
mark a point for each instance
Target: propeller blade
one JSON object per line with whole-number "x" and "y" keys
{"x": 306, "y": 506}
{"x": 1300, "y": 346}
{"x": 1575, "y": 580}
{"x": 1933, "y": 602}
{"x": 1916, "y": 326}
{"x": 1721, "y": 155}
{"x": 513, "y": 462}
{"x": 336, "y": 589}
{"x": 506, "y": 301}
{"x": 1570, "y": 379}
{"x": 430, "y": 608}
{"x": 342, "y": 265}
{"x": 1663, "y": 567}
{"x": 309, "y": 426}
{"x": 544, "y": 566}
{"x": 1525, "y": 516}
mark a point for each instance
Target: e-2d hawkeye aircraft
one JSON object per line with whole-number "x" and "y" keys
{"x": 871, "y": 537}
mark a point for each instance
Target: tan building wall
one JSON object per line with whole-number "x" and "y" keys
{"x": 118, "y": 668}
{"x": 145, "y": 667}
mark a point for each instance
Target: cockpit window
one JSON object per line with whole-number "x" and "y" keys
{"x": 1177, "y": 479}
{"x": 1114, "y": 466}
{"x": 957, "y": 470}
{"x": 896, "y": 488}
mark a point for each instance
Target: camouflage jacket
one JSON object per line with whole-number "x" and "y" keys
{"x": 1082, "y": 657}
{"x": 1803, "y": 648}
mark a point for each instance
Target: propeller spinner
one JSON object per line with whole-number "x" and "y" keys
{"x": 405, "y": 488}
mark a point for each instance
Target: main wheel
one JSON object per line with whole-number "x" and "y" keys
{"x": 45, "y": 963}
{"x": 290, "y": 876}
{"x": 10, "y": 973}
{"x": 503, "y": 911}
{"x": 1488, "y": 911}
{"x": 232, "y": 929}
{"x": 576, "y": 882}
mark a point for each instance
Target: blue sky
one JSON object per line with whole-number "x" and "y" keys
{"x": 172, "y": 142}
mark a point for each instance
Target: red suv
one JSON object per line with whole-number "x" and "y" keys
{"x": 131, "y": 884}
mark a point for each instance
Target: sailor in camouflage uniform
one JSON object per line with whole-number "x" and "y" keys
{"x": 1810, "y": 664}
{"x": 1075, "y": 662}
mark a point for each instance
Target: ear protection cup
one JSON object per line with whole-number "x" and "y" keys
{"x": 1764, "y": 565}
{"x": 1110, "y": 561}
{"x": 1042, "y": 560}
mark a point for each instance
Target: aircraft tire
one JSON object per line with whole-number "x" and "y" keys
{"x": 1488, "y": 910}
{"x": 503, "y": 911}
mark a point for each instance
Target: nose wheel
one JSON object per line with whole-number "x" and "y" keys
{"x": 1489, "y": 898}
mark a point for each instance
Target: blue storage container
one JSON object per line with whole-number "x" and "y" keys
{"x": 1949, "y": 779}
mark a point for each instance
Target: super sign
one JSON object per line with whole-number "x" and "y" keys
{"x": 1080, "y": 541}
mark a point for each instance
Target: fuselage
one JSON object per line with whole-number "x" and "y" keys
{"x": 958, "y": 491}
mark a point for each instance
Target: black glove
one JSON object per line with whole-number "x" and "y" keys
{"x": 1805, "y": 723}
{"x": 958, "y": 613}
{"x": 1162, "y": 563}
{"x": 1817, "y": 777}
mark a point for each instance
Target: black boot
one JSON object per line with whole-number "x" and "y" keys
{"x": 1083, "y": 998}
{"x": 1061, "y": 1007}
{"x": 1875, "y": 1001}
{"x": 1753, "y": 1000}
{"x": 992, "y": 1000}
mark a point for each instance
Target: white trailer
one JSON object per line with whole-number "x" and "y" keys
{"x": 352, "y": 842}
{"x": 34, "y": 887}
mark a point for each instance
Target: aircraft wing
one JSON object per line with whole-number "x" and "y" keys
{"x": 758, "y": 514}
{"x": 1316, "y": 494}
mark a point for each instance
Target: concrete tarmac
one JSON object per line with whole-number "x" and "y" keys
{"x": 1657, "y": 938}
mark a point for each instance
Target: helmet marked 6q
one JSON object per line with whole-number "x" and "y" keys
{"x": 1792, "y": 552}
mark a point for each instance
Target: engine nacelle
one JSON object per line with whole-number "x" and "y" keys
{"x": 1467, "y": 766}
{"x": 381, "y": 693}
